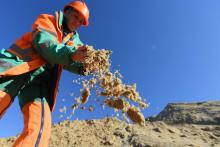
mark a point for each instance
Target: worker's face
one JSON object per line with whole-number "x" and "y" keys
{"x": 74, "y": 19}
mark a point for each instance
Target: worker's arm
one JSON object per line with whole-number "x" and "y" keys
{"x": 55, "y": 53}
{"x": 52, "y": 51}
{"x": 44, "y": 33}
{"x": 75, "y": 67}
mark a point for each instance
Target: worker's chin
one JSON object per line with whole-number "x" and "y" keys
{"x": 73, "y": 29}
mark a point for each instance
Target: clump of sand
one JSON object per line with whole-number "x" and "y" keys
{"x": 97, "y": 59}
{"x": 117, "y": 95}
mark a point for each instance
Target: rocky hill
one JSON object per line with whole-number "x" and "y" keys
{"x": 205, "y": 113}
{"x": 178, "y": 125}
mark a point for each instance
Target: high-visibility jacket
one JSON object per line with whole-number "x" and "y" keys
{"x": 45, "y": 44}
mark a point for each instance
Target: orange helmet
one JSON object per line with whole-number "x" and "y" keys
{"x": 81, "y": 7}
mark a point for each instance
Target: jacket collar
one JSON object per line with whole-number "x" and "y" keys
{"x": 61, "y": 20}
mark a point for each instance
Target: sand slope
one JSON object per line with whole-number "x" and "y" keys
{"x": 155, "y": 133}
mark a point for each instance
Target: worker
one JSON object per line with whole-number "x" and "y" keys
{"x": 31, "y": 68}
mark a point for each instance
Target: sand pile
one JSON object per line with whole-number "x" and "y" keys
{"x": 115, "y": 133}
{"x": 109, "y": 87}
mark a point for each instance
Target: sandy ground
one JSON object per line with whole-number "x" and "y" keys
{"x": 113, "y": 132}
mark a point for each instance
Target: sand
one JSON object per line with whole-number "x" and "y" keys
{"x": 113, "y": 132}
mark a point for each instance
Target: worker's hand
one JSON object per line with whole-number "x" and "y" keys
{"x": 80, "y": 54}
{"x": 83, "y": 47}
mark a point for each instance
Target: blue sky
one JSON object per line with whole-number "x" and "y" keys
{"x": 169, "y": 48}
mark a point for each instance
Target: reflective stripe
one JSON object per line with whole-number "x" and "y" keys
{"x": 4, "y": 64}
{"x": 42, "y": 124}
{"x": 25, "y": 53}
{"x": 42, "y": 29}
{"x": 24, "y": 67}
{"x": 67, "y": 38}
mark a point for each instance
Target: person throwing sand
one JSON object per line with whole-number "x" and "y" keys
{"x": 31, "y": 68}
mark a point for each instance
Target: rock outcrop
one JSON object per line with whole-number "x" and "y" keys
{"x": 205, "y": 113}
